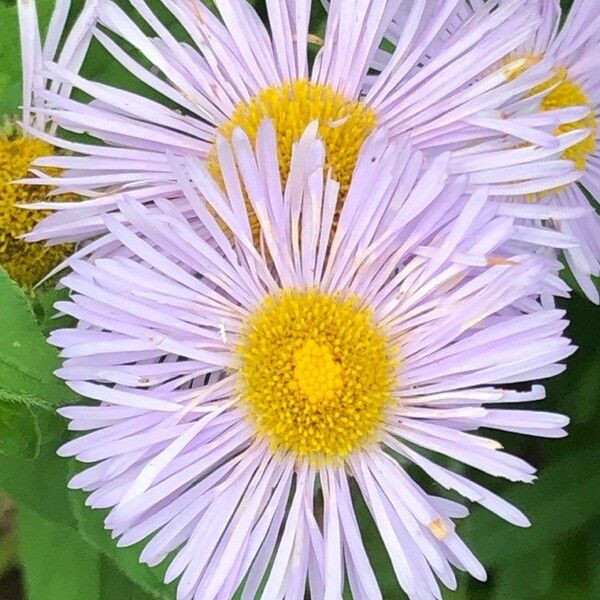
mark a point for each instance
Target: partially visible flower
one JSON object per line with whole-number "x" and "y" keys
{"x": 241, "y": 389}
{"x": 23, "y": 149}
{"x": 573, "y": 50}
{"x": 553, "y": 198}
{"x": 232, "y": 72}
{"x": 24, "y": 262}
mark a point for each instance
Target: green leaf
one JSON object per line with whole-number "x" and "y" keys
{"x": 29, "y": 390}
{"x": 564, "y": 498}
{"x": 594, "y": 551}
{"x": 29, "y": 425}
{"x": 8, "y": 538}
{"x": 43, "y": 306}
{"x": 573, "y": 568}
{"x": 19, "y": 431}
{"x": 91, "y": 528}
{"x": 27, "y": 362}
{"x": 115, "y": 584}
{"x": 39, "y": 485}
{"x": 530, "y": 578}
{"x": 10, "y": 55}
{"x": 59, "y": 565}
{"x": 577, "y": 391}
{"x": 10, "y": 61}
{"x": 25, "y": 423}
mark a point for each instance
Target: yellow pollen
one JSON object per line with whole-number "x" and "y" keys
{"x": 344, "y": 125}
{"x": 25, "y": 262}
{"x": 316, "y": 374}
{"x": 516, "y": 67}
{"x": 567, "y": 94}
{"x": 563, "y": 93}
{"x": 439, "y": 529}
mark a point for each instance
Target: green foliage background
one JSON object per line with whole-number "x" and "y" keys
{"x": 65, "y": 554}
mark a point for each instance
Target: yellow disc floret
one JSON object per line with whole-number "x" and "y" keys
{"x": 316, "y": 374}
{"x": 567, "y": 93}
{"x": 344, "y": 124}
{"x": 25, "y": 262}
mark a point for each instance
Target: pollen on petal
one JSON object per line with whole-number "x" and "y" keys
{"x": 439, "y": 529}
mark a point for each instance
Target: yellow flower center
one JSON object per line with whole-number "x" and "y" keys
{"x": 566, "y": 94}
{"x": 316, "y": 374}
{"x": 344, "y": 124}
{"x": 25, "y": 262}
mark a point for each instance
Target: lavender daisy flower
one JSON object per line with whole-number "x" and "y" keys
{"x": 573, "y": 91}
{"x": 244, "y": 391}
{"x": 232, "y": 72}
{"x": 24, "y": 262}
{"x": 572, "y": 49}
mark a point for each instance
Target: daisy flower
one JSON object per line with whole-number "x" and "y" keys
{"x": 573, "y": 49}
{"x": 24, "y": 262}
{"x": 573, "y": 90}
{"x": 245, "y": 393}
{"x": 230, "y": 71}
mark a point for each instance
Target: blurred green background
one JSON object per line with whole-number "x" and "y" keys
{"x": 53, "y": 548}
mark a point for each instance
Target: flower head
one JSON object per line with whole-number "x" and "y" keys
{"x": 574, "y": 87}
{"x": 26, "y": 263}
{"x": 232, "y": 72}
{"x": 315, "y": 373}
{"x": 566, "y": 103}
{"x": 27, "y": 148}
{"x": 242, "y": 388}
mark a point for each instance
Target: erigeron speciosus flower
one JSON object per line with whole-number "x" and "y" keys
{"x": 241, "y": 391}
{"x": 229, "y": 71}
{"x": 572, "y": 90}
{"x": 24, "y": 141}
